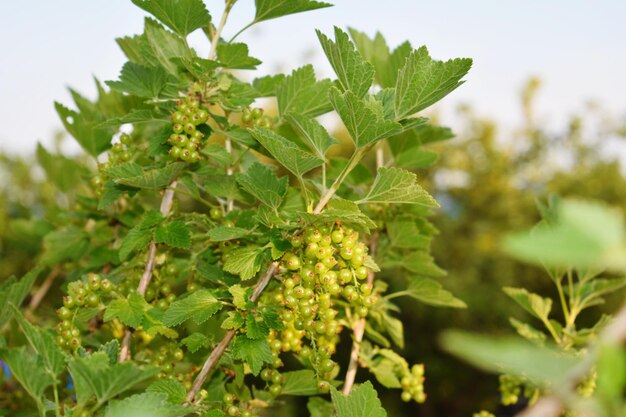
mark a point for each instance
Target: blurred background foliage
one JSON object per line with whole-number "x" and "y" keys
{"x": 487, "y": 180}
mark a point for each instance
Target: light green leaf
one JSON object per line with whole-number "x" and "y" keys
{"x": 174, "y": 390}
{"x": 13, "y": 292}
{"x": 318, "y": 407}
{"x": 528, "y": 332}
{"x": 154, "y": 179}
{"x": 182, "y": 16}
{"x": 300, "y": 93}
{"x": 398, "y": 186}
{"x": 422, "y": 82}
{"x": 92, "y": 138}
{"x": 585, "y": 235}
{"x": 235, "y": 320}
{"x": 175, "y": 234}
{"x": 106, "y": 381}
{"x": 415, "y": 158}
{"x": 271, "y": 9}
{"x": 363, "y": 118}
{"x": 241, "y": 296}
{"x": 354, "y": 72}
{"x": 64, "y": 244}
{"x": 43, "y": 343}
{"x": 590, "y": 292}
{"x": 262, "y": 183}
{"x": 266, "y": 86}
{"x": 235, "y": 56}
{"x": 254, "y": 352}
{"x": 129, "y": 311}
{"x": 166, "y": 46}
{"x": 223, "y": 233}
{"x": 313, "y": 133}
{"x": 244, "y": 261}
{"x": 200, "y": 305}
{"x": 535, "y": 304}
{"x": 149, "y": 404}
{"x": 137, "y": 116}
{"x": 303, "y": 382}
{"x": 26, "y": 369}
{"x": 196, "y": 341}
{"x": 124, "y": 170}
{"x": 135, "y": 239}
{"x": 64, "y": 172}
{"x": 297, "y": 161}
{"x": 361, "y": 402}
{"x": 542, "y": 365}
{"x": 142, "y": 81}
{"x": 429, "y": 291}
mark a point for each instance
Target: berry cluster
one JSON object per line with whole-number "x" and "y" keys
{"x": 186, "y": 137}
{"x": 413, "y": 385}
{"x": 120, "y": 153}
{"x": 513, "y": 387}
{"x": 483, "y": 413}
{"x": 255, "y": 117}
{"x": 80, "y": 295}
{"x": 325, "y": 267}
{"x": 232, "y": 407}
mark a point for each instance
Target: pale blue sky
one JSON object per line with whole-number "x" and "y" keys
{"x": 577, "y": 47}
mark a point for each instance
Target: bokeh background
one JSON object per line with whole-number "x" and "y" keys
{"x": 543, "y": 111}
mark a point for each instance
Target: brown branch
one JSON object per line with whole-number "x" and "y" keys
{"x": 166, "y": 206}
{"x": 41, "y": 292}
{"x": 359, "y": 330}
{"x": 219, "y": 350}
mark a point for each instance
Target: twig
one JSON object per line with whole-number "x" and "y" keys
{"x": 220, "y": 27}
{"x": 218, "y": 351}
{"x": 166, "y": 206}
{"x": 42, "y": 290}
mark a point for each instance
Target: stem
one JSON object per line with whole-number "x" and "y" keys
{"x": 219, "y": 350}
{"x": 229, "y": 171}
{"x": 359, "y": 328}
{"x": 56, "y": 400}
{"x": 242, "y": 30}
{"x": 563, "y": 302}
{"x": 166, "y": 206}
{"x": 324, "y": 178}
{"x": 220, "y": 27}
{"x": 353, "y": 162}
{"x": 43, "y": 290}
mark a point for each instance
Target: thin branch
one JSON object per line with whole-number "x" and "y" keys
{"x": 218, "y": 32}
{"x": 166, "y": 206}
{"x": 43, "y": 290}
{"x": 218, "y": 351}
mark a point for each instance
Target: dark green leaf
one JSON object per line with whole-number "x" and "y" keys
{"x": 182, "y": 16}
{"x": 313, "y": 134}
{"x": 235, "y": 55}
{"x": 262, "y": 183}
{"x": 271, "y": 9}
{"x": 200, "y": 305}
{"x": 361, "y": 402}
{"x": 254, "y": 352}
{"x": 300, "y": 93}
{"x": 154, "y": 178}
{"x": 175, "y": 234}
{"x": 222, "y": 233}
{"x": 143, "y": 81}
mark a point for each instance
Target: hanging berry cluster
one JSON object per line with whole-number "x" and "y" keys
{"x": 120, "y": 153}
{"x": 255, "y": 117}
{"x": 325, "y": 270}
{"x": 81, "y": 295}
{"x": 186, "y": 137}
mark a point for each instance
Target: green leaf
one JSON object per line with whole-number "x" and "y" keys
{"x": 528, "y": 332}
{"x": 143, "y": 81}
{"x": 363, "y": 118}
{"x": 354, "y": 72}
{"x": 150, "y": 219}
{"x": 300, "y": 93}
{"x": 271, "y": 9}
{"x": 542, "y": 365}
{"x": 313, "y": 133}
{"x": 415, "y": 158}
{"x": 149, "y": 404}
{"x": 590, "y": 292}
{"x": 429, "y": 291}
{"x": 135, "y": 239}
{"x": 398, "y": 186}
{"x": 61, "y": 245}
{"x": 254, "y": 352}
{"x": 235, "y": 56}
{"x": 105, "y": 381}
{"x": 129, "y": 311}
{"x": 92, "y": 138}
{"x": 262, "y": 183}
{"x": 266, "y": 86}
{"x": 223, "y": 233}
{"x": 154, "y": 179}
{"x": 303, "y": 382}
{"x": 174, "y": 390}
{"x": 13, "y": 292}
{"x": 244, "y": 261}
{"x": 535, "y": 304}
{"x": 42, "y": 341}
{"x": 361, "y": 402}
{"x": 235, "y": 320}
{"x": 182, "y": 16}
{"x": 26, "y": 369}
{"x": 196, "y": 341}
{"x": 166, "y": 46}
{"x": 256, "y": 329}
{"x": 200, "y": 305}
{"x": 585, "y": 235}
{"x": 422, "y": 82}
{"x": 64, "y": 172}
{"x": 297, "y": 161}
{"x": 175, "y": 234}
{"x": 137, "y": 116}
{"x": 319, "y": 407}
{"x": 124, "y": 170}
